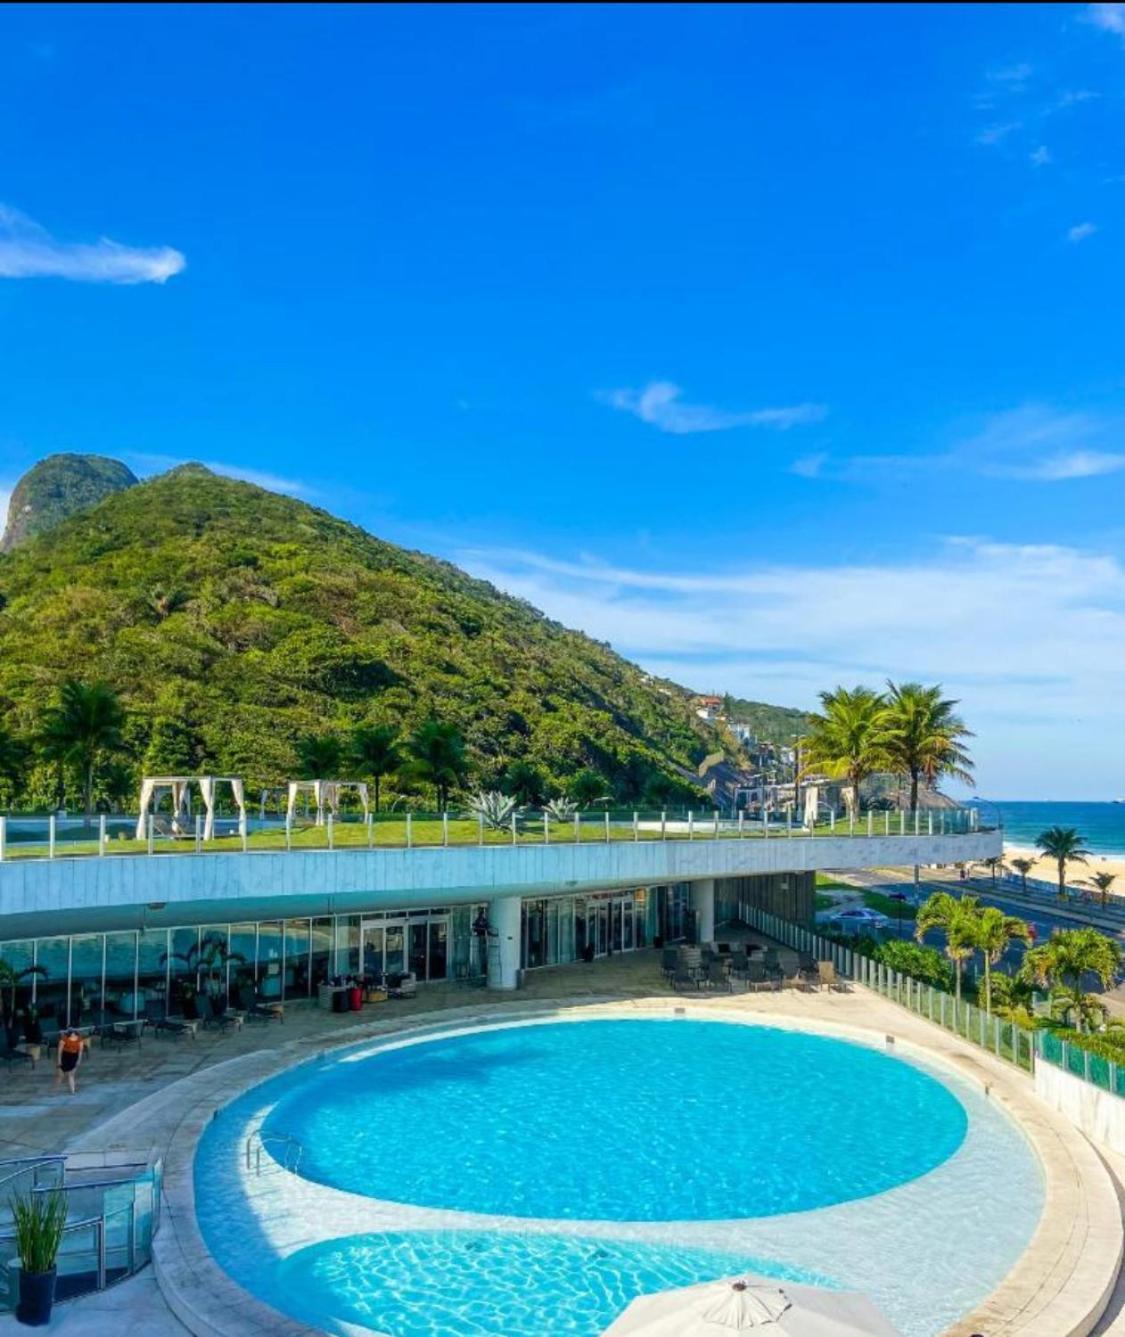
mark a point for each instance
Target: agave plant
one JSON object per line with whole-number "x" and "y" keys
{"x": 561, "y": 809}
{"x": 494, "y": 809}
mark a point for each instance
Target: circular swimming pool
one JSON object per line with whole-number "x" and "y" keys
{"x": 530, "y": 1177}
{"x": 620, "y": 1121}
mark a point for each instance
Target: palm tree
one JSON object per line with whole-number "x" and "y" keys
{"x": 11, "y": 979}
{"x": 524, "y": 783}
{"x": 994, "y": 864}
{"x": 1023, "y": 867}
{"x": 849, "y": 740}
{"x": 1103, "y": 882}
{"x": 957, "y": 919}
{"x": 1064, "y": 845}
{"x": 925, "y": 736}
{"x": 82, "y": 729}
{"x": 1064, "y": 961}
{"x": 437, "y": 757}
{"x": 319, "y": 756}
{"x": 376, "y": 752}
{"x": 994, "y": 933}
{"x": 587, "y": 787}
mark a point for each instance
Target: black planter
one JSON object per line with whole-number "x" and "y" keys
{"x": 37, "y": 1295}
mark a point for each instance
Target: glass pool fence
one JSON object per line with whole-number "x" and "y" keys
{"x": 112, "y": 1214}
{"x": 1007, "y": 1040}
{"x": 64, "y": 836}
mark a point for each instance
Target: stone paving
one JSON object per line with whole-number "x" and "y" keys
{"x": 127, "y": 1100}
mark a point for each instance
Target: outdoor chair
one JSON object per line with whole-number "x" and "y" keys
{"x": 265, "y": 1009}
{"x": 810, "y": 975}
{"x": 123, "y": 1031}
{"x": 161, "y": 1023}
{"x": 407, "y": 987}
{"x": 756, "y": 977}
{"x": 718, "y": 976}
{"x": 10, "y": 1051}
{"x": 829, "y": 979}
{"x": 771, "y": 960}
{"x": 215, "y": 1013}
{"x": 739, "y": 964}
{"x": 669, "y": 958}
{"x": 685, "y": 978}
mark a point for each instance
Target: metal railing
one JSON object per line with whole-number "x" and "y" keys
{"x": 53, "y": 837}
{"x": 109, "y": 1227}
{"x": 257, "y": 1142}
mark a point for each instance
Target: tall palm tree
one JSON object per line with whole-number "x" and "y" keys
{"x": 994, "y": 864}
{"x": 848, "y": 740}
{"x": 1064, "y": 845}
{"x": 1103, "y": 882}
{"x": 957, "y": 919}
{"x": 1023, "y": 867}
{"x": 377, "y": 753}
{"x": 319, "y": 756}
{"x": 1063, "y": 963}
{"x": 437, "y": 757}
{"x": 925, "y": 736}
{"x": 993, "y": 933}
{"x": 81, "y": 730}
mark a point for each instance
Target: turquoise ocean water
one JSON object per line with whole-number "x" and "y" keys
{"x": 1102, "y": 824}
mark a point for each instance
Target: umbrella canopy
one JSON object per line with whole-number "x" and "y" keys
{"x": 751, "y": 1305}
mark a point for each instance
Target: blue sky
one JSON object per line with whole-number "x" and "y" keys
{"x": 779, "y": 347}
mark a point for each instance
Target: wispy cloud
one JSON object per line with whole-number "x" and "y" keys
{"x": 660, "y": 404}
{"x": 784, "y": 631}
{"x": 1012, "y": 78}
{"x": 148, "y": 462}
{"x": 29, "y": 251}
{"x": 1108, "y": 17}
{"x": 996, "y": 134}
{"x": 1041, "y": 156}
{"x": 1080, "y": 231}
{"x": 1033, "y": 443}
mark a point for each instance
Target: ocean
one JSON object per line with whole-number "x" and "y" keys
{"x": 1101, "y": 824}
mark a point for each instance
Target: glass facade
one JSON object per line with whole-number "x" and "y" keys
{"x": 92, "y": 977}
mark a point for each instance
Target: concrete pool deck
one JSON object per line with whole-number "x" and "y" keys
{"x": 158, "y": 1101}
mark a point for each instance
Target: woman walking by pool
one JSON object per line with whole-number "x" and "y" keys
{"x": 70, "y": 1055}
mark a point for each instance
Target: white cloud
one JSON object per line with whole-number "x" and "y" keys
{"x": 1081, "y": 231}
{"x": 995, "y": 134}
{"x": 1012, "y": 78}
{"x": 29, "y": 251}
{"x": 1030, "y": 637}
{"x": 659, "y": 403}
{"x": 1109, "y": 17}
{"x": 1071, "y": 464}
{"x": 1041, "y": 156}
{"x": 810, "y": 466}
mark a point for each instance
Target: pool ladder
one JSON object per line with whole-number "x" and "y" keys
{"x": 257, "y": 1141}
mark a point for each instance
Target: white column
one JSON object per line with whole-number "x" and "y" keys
{"x": 504, "y": 948}
{"x": 703, "y": 903}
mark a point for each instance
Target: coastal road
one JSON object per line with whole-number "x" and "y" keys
{"x": 1044, "y": 919}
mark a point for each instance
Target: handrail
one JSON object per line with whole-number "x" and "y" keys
{"x": 257, "y": 1141}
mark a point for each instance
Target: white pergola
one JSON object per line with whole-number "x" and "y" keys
{"x": 326, "y": 795}
{"x": 153, "y": 787}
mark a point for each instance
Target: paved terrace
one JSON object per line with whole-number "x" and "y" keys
{"x": 1061, "y": 1281}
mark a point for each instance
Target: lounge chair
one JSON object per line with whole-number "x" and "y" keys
{"x": 162, "y": 1024}
{"x": 718, "y": 977}
{"x": 685, "y": 978}
{"x": 756, "y": 977}
{"x": 829, "y": 979}
{"x": 266, "y": 1009}
{"x": 739, "y": 964}
{"x": 406, "y": 987}
{"x": 216, "y": 1013}
{"x": 669, "y": 958}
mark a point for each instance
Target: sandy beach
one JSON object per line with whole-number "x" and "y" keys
{"x": 1077, "y": 874}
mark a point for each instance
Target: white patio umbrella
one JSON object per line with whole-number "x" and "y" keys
{"x": 754, "y": 1305}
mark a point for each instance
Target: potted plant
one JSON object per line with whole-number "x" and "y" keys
{"x": 39, "y": 1219}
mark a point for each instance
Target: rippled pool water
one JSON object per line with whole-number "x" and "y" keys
{"x": 454, "y": 1283}
{"x": 614, "y": 1120}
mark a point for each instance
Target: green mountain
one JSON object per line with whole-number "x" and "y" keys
{"x": 234, "y": 622}
{"x": 770, "y": 724}
{"x": 56, "y": 488}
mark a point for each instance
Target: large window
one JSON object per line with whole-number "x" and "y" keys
{"x": 269, "y": 960}
{"x": 439, "y": 948}
{"x": 243, "y": 967}
{"x": 323, "y": 966}
{"x": 183, "y": 967}
{"x": 416, "y": 957}
{"x": 20, "y": 956}
{"x": 297, "y": 958}
{"x": 85, "y": 979}
{"x": 53, "y": 955}
{"x": 121, "y": 975}
{"x": 214, "y": 947}
{"x": 152, "y": 971}
{"x": 347, "y": 945}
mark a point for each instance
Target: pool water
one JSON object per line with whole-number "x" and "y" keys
{"x": 621, "y": 1121}
{"x": 455, "y": 1283}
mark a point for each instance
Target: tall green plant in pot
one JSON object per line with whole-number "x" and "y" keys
{"x": 39, "y": 1220}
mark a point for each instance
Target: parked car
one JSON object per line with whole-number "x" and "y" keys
{"x": 858, "y": 919}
